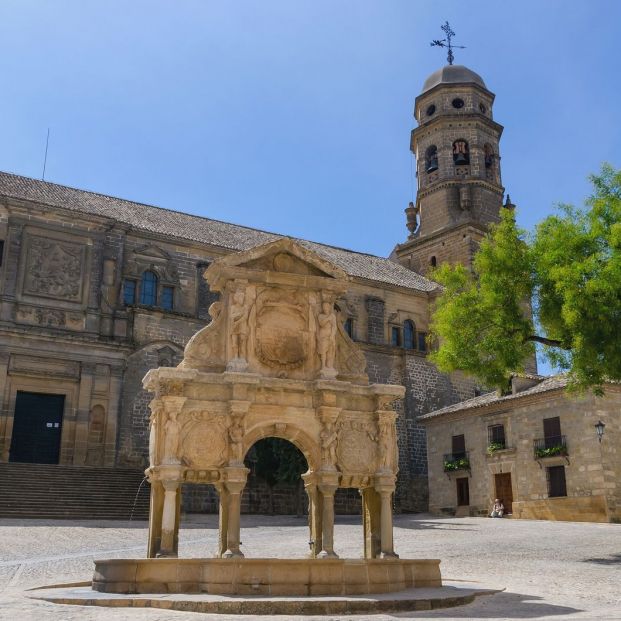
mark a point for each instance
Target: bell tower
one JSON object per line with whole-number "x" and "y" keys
{"x": 457, "y": 169}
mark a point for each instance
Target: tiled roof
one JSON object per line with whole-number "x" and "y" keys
{"x": 554, "y": 382}
{"x": 200, "y": 229}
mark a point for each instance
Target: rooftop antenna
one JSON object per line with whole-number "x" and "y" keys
{"x": 47, "y": 142}
{"x": 447, "y": 43}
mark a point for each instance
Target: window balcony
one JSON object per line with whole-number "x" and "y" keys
{"x": 456, "y": 461}
{"x": 553, "y": 446}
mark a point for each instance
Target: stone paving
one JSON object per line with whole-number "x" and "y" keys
{"x": 550, "y": 570}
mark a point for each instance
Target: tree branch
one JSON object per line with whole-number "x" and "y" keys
{"x": 546, "y": 341}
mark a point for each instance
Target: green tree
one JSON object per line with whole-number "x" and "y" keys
{"x": 569, "y": 267}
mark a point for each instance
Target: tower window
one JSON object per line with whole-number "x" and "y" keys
{"x": 458, "y": 103}
{"x": 482, "y": 108}
{"x": 148, "y": 291}
{"x": 461, "y": 153}
{"x": 431, "y": 110}
{"x": 489, "y": 155}
{"x": 431, "y": 158}
{"x": 408, "y": 334}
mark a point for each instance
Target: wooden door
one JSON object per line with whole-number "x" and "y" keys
{"x": 37, "y": 428}
{"x": 463, "y": 492}
{"x": 504, "y": 491}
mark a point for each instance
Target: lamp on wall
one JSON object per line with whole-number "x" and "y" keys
{"x": 599, "y": 429}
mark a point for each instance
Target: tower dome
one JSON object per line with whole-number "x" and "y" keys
{"x": 453, "y": 74}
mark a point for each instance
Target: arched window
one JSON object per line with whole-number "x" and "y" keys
{"x": 431, "y": 159}
{"x": 489, "y": 155}
{"x": 148, "y": 290}
{"x": 461, "y": 153}
{"x": 408, "y": 334}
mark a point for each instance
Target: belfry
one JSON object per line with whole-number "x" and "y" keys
{"x": 459, "y": 189}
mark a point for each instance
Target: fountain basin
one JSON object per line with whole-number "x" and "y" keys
{"x": 265, "y": 576}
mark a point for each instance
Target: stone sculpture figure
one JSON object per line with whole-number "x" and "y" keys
{"x": 236, "y": 435}
{"x": 171, "y": 439}
{"x": 328, "y": 437}
{"x": 239, "y": 326}
{"x": 326, "y": 336}
{"x": 152, "y": 437}
{"x": 385, "y": 445}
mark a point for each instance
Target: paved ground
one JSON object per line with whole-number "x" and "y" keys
{"x": 549, "y": 569}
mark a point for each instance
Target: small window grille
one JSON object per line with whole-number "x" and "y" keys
{"x": 496, "y": 435}
{"x": 167, "y": 298}
{"x": 129, "y": 292}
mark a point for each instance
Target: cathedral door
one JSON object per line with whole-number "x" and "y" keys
{"x": 504, "y": 491}
{"x": 36, "y": 428}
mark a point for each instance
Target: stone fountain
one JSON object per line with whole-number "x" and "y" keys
{"x": 275, "y": 361}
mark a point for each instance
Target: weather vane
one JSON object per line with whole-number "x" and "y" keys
{"x": 447, "y": 43}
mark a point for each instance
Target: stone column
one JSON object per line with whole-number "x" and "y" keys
{"x": 327, "y": 489}
{"x": 156, "y": 508}
{"x": 235, "y": 483}
{"x": 80, "y": 446}
{"x": 13, "y": 242}
{"x": 112, "y": 417}
{"x": 223, "y": 519}
{"x": 371, "y": 513}
{"x": 315, "y": 512}
{"x": 385, "y": 492}
{"x": 169, "y": 519}
{"x": 5, "y": 438}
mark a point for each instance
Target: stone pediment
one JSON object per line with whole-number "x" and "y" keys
{"x": 277, "y": 317}
{"x": 284, "y": 256}
{"x": 151, "y": 252}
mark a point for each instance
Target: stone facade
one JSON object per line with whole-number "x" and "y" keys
{"x": 512, "y": 450}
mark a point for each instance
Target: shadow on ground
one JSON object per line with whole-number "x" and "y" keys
{"x": 499, "y": 606}
{"x": 613, "y": 559}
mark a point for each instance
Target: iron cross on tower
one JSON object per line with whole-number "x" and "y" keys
{"x": 447, "y": 43}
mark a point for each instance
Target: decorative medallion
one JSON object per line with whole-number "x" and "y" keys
{"x": 356, "y": 449}
{"x": 205, "y": 444}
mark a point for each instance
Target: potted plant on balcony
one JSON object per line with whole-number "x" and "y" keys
{"x": 492, "y": 447}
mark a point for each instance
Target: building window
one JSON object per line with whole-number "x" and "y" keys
{"x": 552, "y": 432}
{"x": 167, "y": 298}
{"x": 408, "y": 334}
{"x": 431, "y": 159}
{"x": 129, "y": 292}
{"x": 496, "y": 436}
{"x": 458, "y": 445}
{"x": 148, "y": 291}
{"x": 1, "y": 251}
{"x": 461, "y": 153}
{"x": 433, "y": 261}
{"x": 349, "y": 327}
{"x": 489, "y": 155}
{"x": 422, "y": 341}
{"x": 556, "y": 481}
{"x": 395, "y": 336}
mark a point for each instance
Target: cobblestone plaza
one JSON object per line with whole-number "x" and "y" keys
{"x": 549, "y": 570}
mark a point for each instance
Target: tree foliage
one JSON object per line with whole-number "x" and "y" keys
{"x": 569, "y": 268}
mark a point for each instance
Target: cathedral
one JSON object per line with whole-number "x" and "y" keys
{"x": 95, "y": 291}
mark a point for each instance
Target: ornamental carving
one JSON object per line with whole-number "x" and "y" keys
{"x": 205, "y": 441}
{"x": 282, "y": 335}
{"x": 357, "y": 446}
{"x": 54, "y": 269}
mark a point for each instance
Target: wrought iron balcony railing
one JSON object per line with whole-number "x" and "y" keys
{"x": 552, "y": 446}
{"x": 456, "y": 461}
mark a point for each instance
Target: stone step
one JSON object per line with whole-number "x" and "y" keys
{"x": 71, "y": 492}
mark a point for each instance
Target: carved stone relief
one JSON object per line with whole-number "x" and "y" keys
{"x": 356, "y": 446}
{"x": 204, "y": 440}
{"x": 282, "y": 334}
{"x": 54, "y": 268}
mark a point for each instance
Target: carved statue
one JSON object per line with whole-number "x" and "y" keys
{"x": 236, "y": 435}
{"x": 385, "y": 444}
{"x": 328, "y": 437}
{"x": 239, "y": 325}
{"x": 152, "y": 437}
{"x": 326, "y": 336}
{"x": 171, "y": 439}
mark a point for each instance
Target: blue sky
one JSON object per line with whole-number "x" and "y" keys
{"x": 294, "y": 116}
